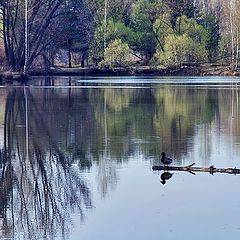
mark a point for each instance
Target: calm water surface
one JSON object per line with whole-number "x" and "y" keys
{"x": 77, "y": 154}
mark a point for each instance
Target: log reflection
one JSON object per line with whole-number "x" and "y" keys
{"x": 39, "y": 186}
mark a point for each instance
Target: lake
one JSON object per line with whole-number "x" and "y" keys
{"x": 77, "y": 154}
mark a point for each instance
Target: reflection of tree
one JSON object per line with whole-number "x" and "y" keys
{"x": 179, "y": 111}
{"x": 40, "y": 191}
{"x": 149, "y": 121}
{"x": 72, "y": 129}
{"x": 159, "y": 119}
{"x": 106, "y": 168}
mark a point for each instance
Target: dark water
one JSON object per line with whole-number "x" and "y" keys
{"x": 76, "y": 158}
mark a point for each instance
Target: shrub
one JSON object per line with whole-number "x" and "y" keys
{"x": 179, "y": 50}
{"x": 117, "y": 54}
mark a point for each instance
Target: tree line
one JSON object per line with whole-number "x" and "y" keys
{"x": 120, "y": 33}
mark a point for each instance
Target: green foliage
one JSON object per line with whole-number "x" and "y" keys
{"x": 144, "y": 15}
{"x": 116, "y": 55}
{"x": 120, "y": 30}
{"x": 186, "y": 44}
{"x": 195, "y": 31}
{"x": 97, "y": 45}
{"x": 79, "y": 26}
{"x": 179, "y": 8}
{"x": 145, "y": 44}
{"x": 225, "y": 47}
{"x": 162, "y": 28}
{"x": 67, "y": 36}
{"x": 114, "y": 30}
{"x": 211, "y": 24}
{"x": 118, "y": 10}
{"x": 179, "y": 50}
{"x": 152, "y": 21}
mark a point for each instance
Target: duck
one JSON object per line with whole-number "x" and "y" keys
{"x": 165, "y": 160}
{"x": 165, "y": 176}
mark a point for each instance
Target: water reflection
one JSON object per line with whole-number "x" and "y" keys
{"x": 54, "y": 136}
{"x": 165, "y": 176}
{"x": 40, "y": 185}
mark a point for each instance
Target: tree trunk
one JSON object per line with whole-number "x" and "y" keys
{"x": 69, "y": 58}
{"x": 237, "y": 48}
{"x": 83, "y": 60}
{"x": 232, "y": 34}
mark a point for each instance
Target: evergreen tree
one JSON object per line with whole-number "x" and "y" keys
{"x": 73, "y": 29}
{"x": 181, "y": 7}
{"x": 144, "y": 15}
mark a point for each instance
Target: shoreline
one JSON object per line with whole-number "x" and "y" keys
{"x": 143, "y": 71}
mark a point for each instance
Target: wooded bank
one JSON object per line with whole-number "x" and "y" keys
{"x": 114, "y": 33}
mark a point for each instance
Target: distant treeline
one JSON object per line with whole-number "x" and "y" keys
{"x": 119, "y": 33}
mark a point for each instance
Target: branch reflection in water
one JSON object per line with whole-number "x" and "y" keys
{"x": 39, "y": 192}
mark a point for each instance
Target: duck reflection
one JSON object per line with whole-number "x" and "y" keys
{"x": 165, "y": 177}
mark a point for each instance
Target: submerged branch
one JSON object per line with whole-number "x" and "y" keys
{"x": 192, "y": 169}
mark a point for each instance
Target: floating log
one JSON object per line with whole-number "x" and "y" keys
{"x": 193, "y": 169}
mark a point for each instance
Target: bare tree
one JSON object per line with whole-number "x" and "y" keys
{"x": 40, "y": 15}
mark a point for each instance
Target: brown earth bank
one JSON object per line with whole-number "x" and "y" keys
{"x": 206, "y": 70}
{"x": 184, "y": 71}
